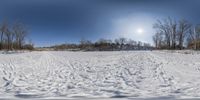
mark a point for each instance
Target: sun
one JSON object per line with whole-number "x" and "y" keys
{"x": 140, "y": 30}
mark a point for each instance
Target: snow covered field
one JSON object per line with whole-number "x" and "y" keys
{"x": 125, "y": 75}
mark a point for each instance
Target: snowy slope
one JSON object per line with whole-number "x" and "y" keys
{"x": 136, "y": 74}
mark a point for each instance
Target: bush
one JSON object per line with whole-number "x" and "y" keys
{"x": 28, "y": 47}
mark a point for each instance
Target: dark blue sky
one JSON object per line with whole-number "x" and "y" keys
{"x": 59, "y": 21}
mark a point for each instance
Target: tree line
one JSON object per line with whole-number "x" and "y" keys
{"x": 105, "y": 45}
{"x": 176, "y": 34}
{"x": 170, "y": 34}
{"x": 13, "y": 37}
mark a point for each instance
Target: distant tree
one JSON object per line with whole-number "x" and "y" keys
{"x": 28, "y": 47}
{"x": 194, "y": 37}
{"x": 104, "y": 44}
{"x": 117, "y": 43}
{"x": 85, "y": 44}
{"x": 139, "y": 44}
{"x": 132, "y": 42}
{"x": 8, "y": 35}
{"x": 121, "y": 42}
{"x": 146, "y": 46}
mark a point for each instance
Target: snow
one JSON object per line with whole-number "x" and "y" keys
{"x": 119, "y": 75}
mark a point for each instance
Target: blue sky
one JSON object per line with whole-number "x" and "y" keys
{"x": 58, "y": 21}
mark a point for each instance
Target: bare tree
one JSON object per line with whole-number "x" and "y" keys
{"x": 164, "y": 28}
{"x": 104, "y": 44}
{"x": 3, "y": 29}
{"x": 191, "y": 39}
{"x": 146, "y": 45}
{"x": 8, "y": 35}
{"x": 139, "y": 44}
{"x": 184, "y": 28}
{"x": 20, "y": 33}
{"x": 173, "y": 32}
{"x": 157, "y": 38}
{"x": 85, "y": 44}
{"x": 12, "y": 36}
{"x": 121, "y": 42}
{"x": 132, "y": 42}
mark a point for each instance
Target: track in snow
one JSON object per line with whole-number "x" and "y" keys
{"x": 137, "y": 74}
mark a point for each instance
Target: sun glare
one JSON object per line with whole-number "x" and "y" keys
{"x": 140, "y": 30}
